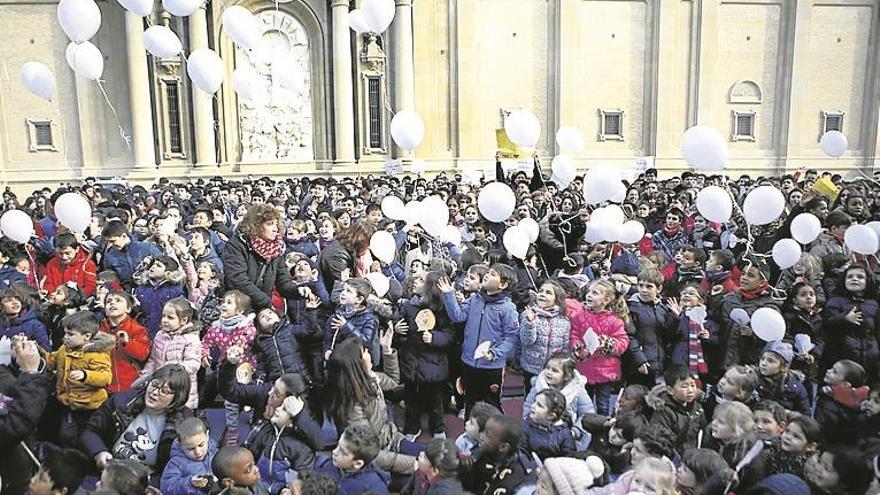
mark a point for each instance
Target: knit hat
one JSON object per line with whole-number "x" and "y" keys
{"x": 783, "y": 349}
{"x": 783, "y": 484}
{"x": 570, "y": 476}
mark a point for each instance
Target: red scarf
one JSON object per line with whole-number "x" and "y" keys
{"x": 750, "y": 295}
{"x": 268, "y": 250}
{"x": 671, "y": 232}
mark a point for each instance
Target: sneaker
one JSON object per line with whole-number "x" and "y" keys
{"x": 413, "y": 436}
{"x": 440, "y": 434}
{"x": 231, "y": 439}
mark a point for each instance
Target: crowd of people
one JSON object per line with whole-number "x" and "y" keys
{"x": 258, "y": 300}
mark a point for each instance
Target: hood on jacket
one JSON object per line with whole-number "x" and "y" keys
{"x": 101, "y": 342}
{"x": 142, "y": 271}
{"x": 658, "y": 398}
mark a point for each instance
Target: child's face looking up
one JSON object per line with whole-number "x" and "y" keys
{"x": 771, "y": 364}
{"x": 688, "y": 260}
{"x": 268, "y": 319}
{"x": 554, "y": 374}
{"x": 349, "y": 296}
{"x": 472, "y": 282}
{"x": 58, "y": 297}
{"x": 766, "y": 426}
{"x": 243, "y": 471}
{"x": 492, "y": 282}
{"x": 116, "y": 306}
{"x": 540, "y": 412}
{"x": 195, "y": 447}
{"x": 871, "y": 405}
{"x": 23, "y": 267}
{"x": 229, "y": 307}
{"x": 343, "y": 458}
{"x": 157, "y": 270}
{"x": 690, "y": 297}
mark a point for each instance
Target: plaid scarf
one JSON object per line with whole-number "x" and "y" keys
{"x": 696, "y": 361}
{"x": 268, "y": 250}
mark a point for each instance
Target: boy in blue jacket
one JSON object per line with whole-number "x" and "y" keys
{"x": 188, "y": 472}
{"x": 352, "y": 463}
{"x": 490, "y": 333}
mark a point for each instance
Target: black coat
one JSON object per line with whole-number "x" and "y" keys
{"x": 332, "y": 260}
{"x": 279, "y": 353}
{"x": 18, "y": 421}
{"x": 421, "y": 362}
{"x": 246, "y": 271}
{"x": 845, "y": 340}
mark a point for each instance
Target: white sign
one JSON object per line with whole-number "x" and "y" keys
{"x": 393, "y": 167}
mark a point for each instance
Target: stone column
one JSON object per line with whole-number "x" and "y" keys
{"x": 402, "y": 61}
{"x": 203, "y": 105}
{"x": 139, "y": 93}
{"x": 343, "y": 97}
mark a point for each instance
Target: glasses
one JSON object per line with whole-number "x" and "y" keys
{"x": 162, "y": 388}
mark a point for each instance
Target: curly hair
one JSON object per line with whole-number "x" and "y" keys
{"x": 355, "y": 239}
{"x": 252, "y": 224}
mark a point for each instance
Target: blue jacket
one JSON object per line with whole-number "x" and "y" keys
{"x": 646, "y": 326}
{"x": 9, "y": 275}
{"x": 361, "y": 324}
{"x": 369, "y": 479}
{"x": 791, "y": 394}
{"x": 124, "y": 262}
{"x": 211, "y": 256}
{"x": 29, "y": 324}
{"x": 548, "y": 440}
{"x": 421, "y": 362}
{"x": 490, "y": 318}
{"x": 677, "y": 339}
{"x": 153, "y": 298}
{"x": 306, "y": 245}
{"x": 180, "y": 469}
{"x": 278, "y": 353}
{"x": 280, "y": 454}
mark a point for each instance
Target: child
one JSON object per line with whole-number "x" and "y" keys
{"x": 738, "y": 383}
{"x": 18, "y": 319}
{"x": 236, "y": 471}
{"x": 490, "y": 333}
{"x": 544, "y": 330}
{"x": 839, "y": 401}
{"x": 204, "y": 283}
{"x": 438, "y": 470}
{"x": 679, "y": 416}
{"x": 718, "y": 280}
{"x": 839, "y": 469}
{"x": 235, "y": 327}
{"x": 474, "y": 427}
{"x": 696, "y": 470}
{"x": 547, "y": 430}
{"x": 176, "y": 343}
{"x": 62, "y": 472}
{"x": 853, "y": 315}
{"x": 651, "y": 475}
{"x": 159, "y": 281}
{"x": 770, "y": 420}
{"x": 277, "y": 347}
{"x": 693, "y": 334}
{"x": 501, "y": 466}
{"x": 646, "y": 329}
{"x": 472, "y": 280}
{"x": 802, "y": 317}
{"x": 126, "y": 476}
{"x": 733, "y": 427}
{"x": 797, "y": 444}
{"x": 64, "y": 300}
{"x": 188, "y": 471}
{"x": 83, "y": 366}
{"x": 132, "y": 343}
{"x": 560, "y": 374}
{"x": 351, "y": 464}
{"x": 9, "y": 253}
{"x": 606, "y": 316}
{"x": 353, "y": 318}
{"x": 71, "y": 263}
{"x": 689, "y": 262}
{"x": 776, "y": 383}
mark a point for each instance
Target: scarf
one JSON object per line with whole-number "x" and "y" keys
{"x": 671, "y": 232}
{"x": 268, "y": 250}
{"x": 685, "y": 275}
{"x": 322, "y": 243}
{"x": 716, "y": 278}
{"x": 696, "y": 360}
{"x": 553, "y": 312}
{"x": 751, "y": 295}
{"x": 229, "y": 325}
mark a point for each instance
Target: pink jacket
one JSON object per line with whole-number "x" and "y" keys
{"x": 599, "y": 367}
{"x": 619, "y": 487}
{"x": 182, "y": 348}
{"x": 242, "y": 334}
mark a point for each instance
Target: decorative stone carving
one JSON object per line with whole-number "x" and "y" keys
{"x": 277, "y": 124}
{"x": 372, "y": 56}
{"x": 746, "y": 91}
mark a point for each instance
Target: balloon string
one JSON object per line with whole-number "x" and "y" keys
{"x": 125, "y": 137}
{"x": 734, "y": 199}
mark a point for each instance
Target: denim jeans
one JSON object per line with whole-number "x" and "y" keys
{"x": 603, "y": 396}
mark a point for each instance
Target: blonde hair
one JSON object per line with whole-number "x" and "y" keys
{"x": 618, "y": 301}
{"x": 663, "y": 472}
{"x": 737, "y": 416}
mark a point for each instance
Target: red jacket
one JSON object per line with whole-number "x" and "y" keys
{"x": 127, "y": 360}
{"x": 81, "y": 270}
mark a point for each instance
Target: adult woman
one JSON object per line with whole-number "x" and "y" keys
{"x": 327, "y": 229}
{"x": 355, "y": 394}
{"x": 139, "y": 424}
{"x": 252, "y": 260}
{"x": 349, "y": 247}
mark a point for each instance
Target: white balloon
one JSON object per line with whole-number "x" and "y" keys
{"x": 412, "y": 212}
{"x": 74, "y": 211}
{"x": 286, "y": 74}
{"x": 786, "y": 253}
{"x": 392, "y": 207}
{"x": 523, "y": 128}
{"x": 704, "y": 148}
{"x": 17, "y": 225}
{"x": 142, "y": 8}
{"x": 612, "y": 214}
{"x": 564, "y": 171}
{"x": 875, "y": 226}
{"x": 382, "y": 246}
{"x": 407, "y": 129}
{"x": 245, "y": 83}
{"x": 378, "y": 14}
{"x": 379, "y": 282}
{"x": 570, "y": 139}
{"x": 601, "y": 183}
{"x": 632, "y": 232}
{"x": 435, "y": 215}
{"x": 80, "y": 19}
{"x": 531, "y": 226}
{"x": 763, "y": 205}
{"x": 450, "y": 235}
{"x": 205, "y": 69}
{"x": 182, "y": 8}
{"x": 162, "y": 42}
{"x": 806, "y": 227}
{"x": 768, "y": 324}
{"x": 496, "y": 202}
{"x": 516, "y": 241}
{"x": 358, "y": 22}
{"x": 38, "y": 79}
{"x": 619, "y": 195}
{"x": 242, "y": 27}
{"x": 861, "y": 239}
{"x": 593, "y": 233}
{"x": 833, "y": 143}
{"x": 85, "y": 59}
{"x": 714, "y": 204}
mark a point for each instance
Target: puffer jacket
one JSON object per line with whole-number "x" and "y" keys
{"x": 791, "y": 393}
{"x": 546, "y": 334}
{"x": 278, "y": 353}
{"x": 178, "y": 473}
{"x": 360, "y": 324}
{"x": 246, "y": 271}
{"x": 9, "y": 275}
{"x": 81, "y": 270}
{"x": 421, "y": 362}
{"x": 646, "y": 328}
{"x": 797, "y": 322}
{"x": 183, "y": 348}
{"x": 827, "y": 244}
{"x": 126, "y": 360}
{"x": 27, "y": 397}
{"x": 28, "y": 324}
{"x": 680, "y": 423}
{"x": 577, "y": 399}
{"x": 599, "y": 367}
{"x": 94, "y": 360}
{"x": 554, "y": 440}
{"x": 837, "y": 410}
{"x": 153, "y": 295}
{"x": 280, "y": 454}
{"x": 845, "y": 340}
{"x": 486, "y": 317}
{"x": 241, "y": 333}
{"x": 735, "y": 348}
{"x": 126, "y": 261}
{"x": 678, "y": 339}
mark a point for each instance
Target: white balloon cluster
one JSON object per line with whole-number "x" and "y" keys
{"x": 609, "y": 224}
{"x": 602, "y": 183}
{"x": 374, "y": 16}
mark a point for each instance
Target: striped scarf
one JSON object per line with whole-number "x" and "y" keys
{"x": 696, "y": 361}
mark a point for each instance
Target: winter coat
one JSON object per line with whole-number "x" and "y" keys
{"x": 680, "y": 423}
{"x": 735, "y": 348}
{"x": 577, "y": 399}
{"x": 419, "y": 484}
{"x": 211, "y": 256}
{"x": 81, "y": 270}
{"x": 243, "y": 335}
{"x": 246, "y": 271}
{"x": 541, "y": 337}
{"x": 278, "y": 353}
{"x": 18, "y": 421}
{"x": 669, "y": 245}
{"x": 678, "y": 339}
{"x": 127, "y": 360}
{"x": 26, "y": 323}
{"x": 600, "y": 367}
{"x": 514, "y": 475}
{"x": 279, "y": 453}
{"x": 94, "y": 360}
{"x": 183, "y": 348}
{"x": 421, "y": 362}
{"x": 554, "y": 440}
{"x": 845, "y": 340}
{"x": 826, "y": 244}
{"x": 178, "y": 473}
{"x": 124, "y": 262}
{"x": 360, "y": 324}
{"x": 800, "y": 322}
{"x": 646, "y": 329}
{"x": 110, "y": 421}
{"x": 332, "y": 260}
{"x": 153, "y": 295}
{"x": 840, "y": 420}
{"x": 370, "y": 479}
{"x": 491, "y": 318}
{"x": 9, "y": 275}
{"x": 791, "y": 394}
